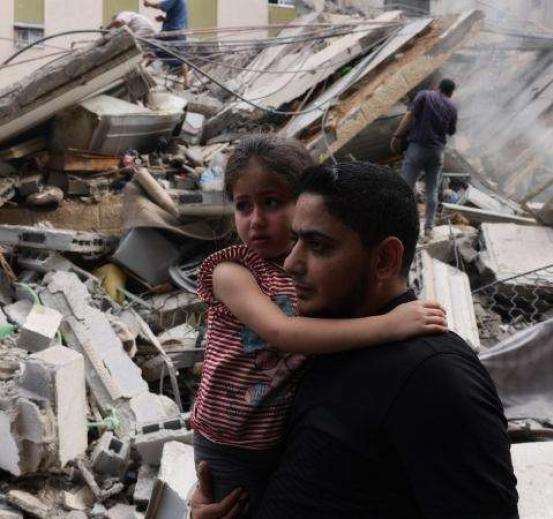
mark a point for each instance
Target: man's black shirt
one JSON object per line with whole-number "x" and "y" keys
{"x": 408, "y": 430}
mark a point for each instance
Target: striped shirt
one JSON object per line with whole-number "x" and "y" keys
{"x": 247, "y": 387}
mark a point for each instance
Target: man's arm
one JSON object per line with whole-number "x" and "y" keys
{"x": 162, "y": 5}
{"x": 450, "y": 434}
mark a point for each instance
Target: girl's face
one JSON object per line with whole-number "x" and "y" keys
{"x": 264, "y": 208}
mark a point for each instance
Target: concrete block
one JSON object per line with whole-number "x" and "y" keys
{"x": 193, "y": 128}
{"x": 176, "y": 476}
{"x": 17, "y": 312}
{"x": 144, "y": 486}
{"x": 66, "y": 368}
{"x": 111, "y": 455}
{"x": 29, "y": 503}
{"x": 39, "y": 329}
{"x": 151, "y": 438}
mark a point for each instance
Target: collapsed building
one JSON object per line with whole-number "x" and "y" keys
{"x": 111, "y": 176}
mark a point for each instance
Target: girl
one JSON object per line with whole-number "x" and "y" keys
{"x": 253, "y": 357}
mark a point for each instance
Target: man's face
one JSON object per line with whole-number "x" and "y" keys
{"x": 328, "y": 262}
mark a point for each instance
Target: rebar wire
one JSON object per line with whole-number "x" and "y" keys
{"x": 38, "y": 58}
{"x": 183, "y": 60}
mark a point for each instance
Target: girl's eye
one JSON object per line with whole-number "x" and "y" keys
{"x": 242, "y": 206}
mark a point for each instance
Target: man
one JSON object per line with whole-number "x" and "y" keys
{"x": 175, "y": 18}
{"x": 408, "y": 430}
{"x": 138, "y": 24}
{"x": 430, "y": 119}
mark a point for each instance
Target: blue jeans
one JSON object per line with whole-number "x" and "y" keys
{"x": 233, "y": 467}
{"x": 430, "y": 161}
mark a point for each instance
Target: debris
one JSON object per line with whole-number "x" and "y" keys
{"x": 86, "y": 243}
{"x": 150, "y": 438}
{"x": 23, "y": 149}
{"x": 48, "y": 196}
{"x": 475, "y": 215}
{"x": 511, "y": 250}
{"x": 193, "y": 128}
{"x": 144, "y": 486}
{"x": 534, "y": 472}
{"x": 109, "y": 126}
{"x": 176, "y": 476}
{"x": 520, "y": 368}
{"x": 451, "y": 288}
{"x": 111, "y": 455}
{"x": 81, "y": 500}
{"x": 154, "y": 267}
{"x": 66, "y": 81}
{"x": 154, "y": 190}
{"x": 39, "y": 328}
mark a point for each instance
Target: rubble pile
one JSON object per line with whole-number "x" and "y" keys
{"x": 111, "y": 195}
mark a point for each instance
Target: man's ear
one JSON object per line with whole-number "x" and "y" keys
{"x": 388, "y": 258}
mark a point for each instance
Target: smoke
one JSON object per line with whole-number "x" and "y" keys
{"x": 505, "y": 95}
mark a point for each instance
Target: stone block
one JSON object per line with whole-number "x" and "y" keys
{"x": 39, "y": 328}
{"x": 17, "y": 312}
{"x": 66, "y": 371}
{"x": 111, "y": 455}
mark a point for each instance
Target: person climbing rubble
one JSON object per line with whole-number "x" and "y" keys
{"x": 426, "y": 125}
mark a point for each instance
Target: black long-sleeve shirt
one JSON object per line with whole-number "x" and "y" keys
{"x": 407, "y": 430}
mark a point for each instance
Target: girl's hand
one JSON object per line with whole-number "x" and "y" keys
{"x": 416, "y": 318}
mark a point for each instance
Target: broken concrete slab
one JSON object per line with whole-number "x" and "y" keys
{"x": 475, "y": 215}
{"x": 446, "y": 237}
{"x": 39, "y": 328}
{"x": 367, "y": 65}
{"x": 176, "y": 476}
{"x": 512, "y": 250}
{"x": 80, "y": 500}
{"x": 449, "y": 286}
{"x": 65, "y": 369}
{"x": 150, "y": 438}
{"x": 86, "y": 243}
{"x": 28, "y": 503}
{"x": 66, "y": 81}
{"x": 111, "y": 126}
{"x": 485, "y": 201}
{"x": 202, "y": 103}
{"x": 533, "y": 466}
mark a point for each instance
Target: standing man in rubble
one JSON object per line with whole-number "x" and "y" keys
{"x": 174, "y": 18}
{"x": 431, "y": 118}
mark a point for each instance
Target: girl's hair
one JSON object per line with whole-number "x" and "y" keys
{"x": 285, "y": 157}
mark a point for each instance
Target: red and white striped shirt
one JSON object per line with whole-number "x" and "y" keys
{"x": 247, "y": 387}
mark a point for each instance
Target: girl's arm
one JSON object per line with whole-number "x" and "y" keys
{"x": 235, "y": 286}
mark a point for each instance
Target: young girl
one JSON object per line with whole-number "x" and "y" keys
{"x": 254, "y": 355}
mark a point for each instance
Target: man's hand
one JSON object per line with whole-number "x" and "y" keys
{"x": 201, "y": 501}
{"x": 160, "y": 18}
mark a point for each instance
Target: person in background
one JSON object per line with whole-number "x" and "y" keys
{"x": 431, "y": 118}
{"x": 138, "y": 24}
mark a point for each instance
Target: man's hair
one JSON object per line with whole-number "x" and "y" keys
{"x": 287, "y": 158}
{"x": 447, "y": 87}
{"x": 371, "y": 200}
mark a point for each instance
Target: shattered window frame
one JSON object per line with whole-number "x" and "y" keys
{"x": 25, "y": 34}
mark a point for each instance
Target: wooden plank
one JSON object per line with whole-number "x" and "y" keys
{"x": 82, "y": 161}
{"x": 359, "y": 72}
{"x": 23, "y": 149}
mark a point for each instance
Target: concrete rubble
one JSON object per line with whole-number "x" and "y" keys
{"x": 111, "y": 196}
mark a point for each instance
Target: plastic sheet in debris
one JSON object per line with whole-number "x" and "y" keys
{"x": 521, "y": 369}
